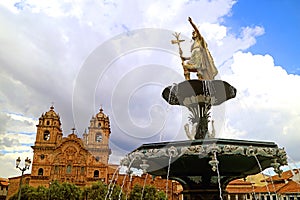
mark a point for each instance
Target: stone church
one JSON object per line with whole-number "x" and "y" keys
{"x": 71, "y": 159}
{"x": 81, "y": 161}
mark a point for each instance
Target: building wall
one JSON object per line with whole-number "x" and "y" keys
{"x": 128, "y": 182}
{"x": 14, "y": 184}
{"x": 3, "y": 188}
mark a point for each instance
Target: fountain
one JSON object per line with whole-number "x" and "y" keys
{"x": 204, "y": 165}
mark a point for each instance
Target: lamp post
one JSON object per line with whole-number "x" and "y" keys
{"x": 49, "y": 193}
{"x": 27, "y": 164}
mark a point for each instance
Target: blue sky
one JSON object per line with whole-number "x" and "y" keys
{"x": 118, "y": 54}
{"x": 281, "y": 21}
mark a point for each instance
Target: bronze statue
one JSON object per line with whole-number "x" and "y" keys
{"x": 201, "y": 60}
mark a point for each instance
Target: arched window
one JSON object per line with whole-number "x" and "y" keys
{"x": 40, "y": 172}
{"x": 96, "y": 174}
{"x": 98, "y": 137}
{"x": 46, "y": 135}
{"x": 69, "y": 169}
{"x": 82, "y": 170}
{"x": 99, "y": 124}
{"x": 56, "y": 169}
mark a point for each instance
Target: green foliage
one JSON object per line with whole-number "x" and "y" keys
{"x": 56, "y": 191}
{"x": 64, "y": 191}
{"x": 40, "y": 193}
{"x": 160, "y": 195}
{"x": 116, "y": 192}
{"x": 136, "y": 193}
{"x": 97, "y": 191}
{"x": 149, "y": 193}
{"x": 26, "y": 192}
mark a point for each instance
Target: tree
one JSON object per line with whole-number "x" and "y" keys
{"x": 64, "y": 191}
{"x": 136, "y": 193}
{"x": 116, "y": 193}
{"x": 160, "y": 195}
{"x": 40, "y": 193}
{"x": 26, "y": 193}
{"x": 149, "y": 193}
{"x": 97, "y": 191}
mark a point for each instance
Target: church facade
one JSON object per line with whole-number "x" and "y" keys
{"x": 71, "y": 159}
{"x": 81, "y": 161}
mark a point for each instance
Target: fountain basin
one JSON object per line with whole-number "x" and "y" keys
{"x": 192, "y": 92}
{"x": 197, "y": 163}
{"x": 198, "y": 96}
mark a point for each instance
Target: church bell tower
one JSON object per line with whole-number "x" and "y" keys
{"x": 97, "y": 138}
{"x": 49, "y": 132}
{"x": 48, "y": 137}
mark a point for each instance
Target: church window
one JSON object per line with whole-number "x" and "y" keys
{"x": 82, "y": 170}
{"x": 96, "y": 174}
{"x": 42, "y": 157}
{"x": 97, "y": 158}
{"x": 56, "y": 169}
{"x": 69, "y": 169}
{"x": 98, "y": 137}
{"x": 99, "y": 125}
{"x": 40, "y": 172}
{"x": 46, "y": 135}
{"x": 48, "y": 123}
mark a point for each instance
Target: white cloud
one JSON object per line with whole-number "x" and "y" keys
{"x": 45, "y": 44}
{"x": 8, "y": 168}
{"x": 266, "y": 106}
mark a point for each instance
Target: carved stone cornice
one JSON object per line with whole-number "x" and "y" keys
{"x": 213, "y": 150}
{"x": 207, "y": 149}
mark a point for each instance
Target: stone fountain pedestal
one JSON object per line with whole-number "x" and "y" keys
{"x": 205, "y": 167}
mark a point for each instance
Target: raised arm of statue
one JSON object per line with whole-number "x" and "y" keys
{"x": 194, "y": 26}
{"x": 198, "y": 35}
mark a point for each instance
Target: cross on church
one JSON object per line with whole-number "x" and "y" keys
{"x": 52, "y": 105}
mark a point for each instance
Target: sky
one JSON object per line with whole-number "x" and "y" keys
{"x": 82, "y": 55}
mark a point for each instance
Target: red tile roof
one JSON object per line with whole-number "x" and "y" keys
{"x": 273, "y": 188}
{"x": 4, "y": 181}
{"x": 239, "y": 186}
{"x": 290, "y": 187}
{"x": 284, "y": 176}
{"x": 276, "y": 184}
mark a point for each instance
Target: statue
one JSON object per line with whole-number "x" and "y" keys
{"x": 200, "y": 61}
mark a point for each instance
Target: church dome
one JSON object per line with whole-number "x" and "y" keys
{"x": 50, "y": 115}
{"x": 101, "y": 115}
